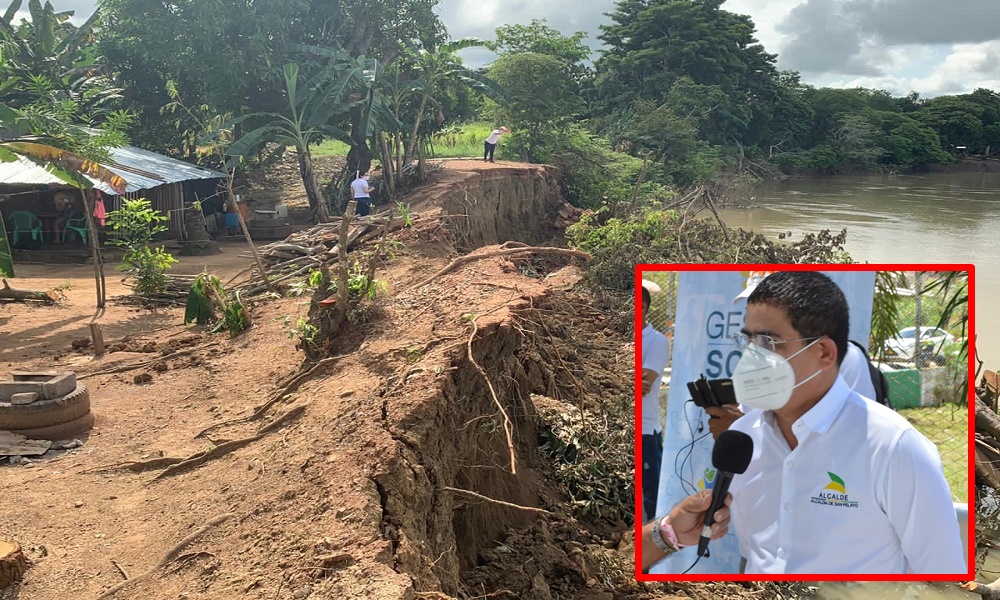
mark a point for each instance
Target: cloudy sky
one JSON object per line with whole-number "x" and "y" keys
{"x": 929, "y": 46}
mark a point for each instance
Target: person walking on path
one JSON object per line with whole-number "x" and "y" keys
{"x": 361, "y": 192}
{"x": 491, "y": 143}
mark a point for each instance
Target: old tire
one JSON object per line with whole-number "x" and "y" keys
{"x": 45, "y": 413}
{"x": 63, "y": 431}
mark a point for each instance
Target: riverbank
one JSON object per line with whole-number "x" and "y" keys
{"x": 968, "y": 165}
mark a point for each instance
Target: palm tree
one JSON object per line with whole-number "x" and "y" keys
{"x": 317, "y": 113}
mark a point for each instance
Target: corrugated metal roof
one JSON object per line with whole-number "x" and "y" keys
{"x": 141, "y": 169}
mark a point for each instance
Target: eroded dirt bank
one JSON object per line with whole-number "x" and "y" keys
{"x": 380, "y": 473}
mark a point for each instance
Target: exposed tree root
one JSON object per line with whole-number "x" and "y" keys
{"x": 168, "y": 557}
{"x": 507, "y": 427}
{"x": 293, "y": 384}
{"x": 147, "y": 363}
{"x": 227, "y": 447}
{"x": 495, "y": 501}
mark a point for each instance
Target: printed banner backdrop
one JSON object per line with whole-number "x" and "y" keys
{"x": 706, "y": 317}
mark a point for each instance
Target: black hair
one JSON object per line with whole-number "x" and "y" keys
{"x": 646, "y": 298}
{"x": 816, "y": 306}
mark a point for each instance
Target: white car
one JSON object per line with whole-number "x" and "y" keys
{"x": 932, "y": 343}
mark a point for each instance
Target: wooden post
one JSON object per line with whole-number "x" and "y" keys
{"x": 246, "y": 232}
{"x": 97, "y": 337}
{"x": 95, "y": 247}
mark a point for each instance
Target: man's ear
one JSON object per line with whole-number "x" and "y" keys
{"x": 828, "y": 356}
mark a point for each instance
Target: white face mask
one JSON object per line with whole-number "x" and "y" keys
{"x": 765, "y": 380}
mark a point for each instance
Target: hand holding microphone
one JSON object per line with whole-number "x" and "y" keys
{"x": 730, "y": 456}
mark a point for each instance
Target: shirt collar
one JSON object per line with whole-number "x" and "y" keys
{"x": 821, "y": 417}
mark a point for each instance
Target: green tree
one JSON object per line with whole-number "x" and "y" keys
{"x": 437, "y": 67}
{"x": 652, "y": 44}
{"x": 905, "y": 141}
{"x": 538, "y": 38}
{"x": 540, "y": 97}
{"x": 956, "y": 119}
{"x": 228, "y": 54}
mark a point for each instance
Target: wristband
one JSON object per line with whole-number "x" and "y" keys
{"x": 663, "y": 536}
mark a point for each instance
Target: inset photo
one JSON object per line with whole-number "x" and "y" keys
{"x": 805, "y": 422}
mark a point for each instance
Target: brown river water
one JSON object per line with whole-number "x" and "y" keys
{"x": 932, "y": 218}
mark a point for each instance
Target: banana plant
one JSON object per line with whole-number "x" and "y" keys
{"x": 317, "y": 108}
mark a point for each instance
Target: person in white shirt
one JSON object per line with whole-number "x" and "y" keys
{"x": 361, "y": 191}
{"x": 655, "y": 356}
{"x": 490, "y": 145}
{"x": 836, "y": 484}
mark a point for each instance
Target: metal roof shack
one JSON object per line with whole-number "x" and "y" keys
{"x": 166, "y": 182}
{"x": 141, "y": 169}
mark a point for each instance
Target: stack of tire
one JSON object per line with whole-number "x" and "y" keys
{"x": 61, "y": 411}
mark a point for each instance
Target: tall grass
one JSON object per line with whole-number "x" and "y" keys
{"x": 330, "y": 148}
{"x": 461, "y": 141}
{"x": 456, "y": 141}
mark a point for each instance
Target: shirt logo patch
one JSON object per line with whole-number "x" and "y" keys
{"x": 834, "y": 494}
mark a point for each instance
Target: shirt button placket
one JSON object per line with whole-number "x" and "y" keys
{"x": 785, "y": 514}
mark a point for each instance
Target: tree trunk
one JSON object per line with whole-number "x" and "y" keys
{"x": 13, "y": 564}
{"x": 411, "y": 150}
{"x": 313, "y": 193}
{"x": 359, "y": 157}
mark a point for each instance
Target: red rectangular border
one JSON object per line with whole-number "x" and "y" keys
{"x": 970, "y": 268}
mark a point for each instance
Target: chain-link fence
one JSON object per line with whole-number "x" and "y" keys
{"x": 918, "y": 342}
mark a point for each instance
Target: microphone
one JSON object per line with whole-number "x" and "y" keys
{"x": 730, "y": 456}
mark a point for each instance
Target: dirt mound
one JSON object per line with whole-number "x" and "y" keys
{"x": 235, "y": 471}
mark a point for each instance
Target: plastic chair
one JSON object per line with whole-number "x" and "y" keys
{"x": 77, "y": 225}
{"x": 25, "y": 221}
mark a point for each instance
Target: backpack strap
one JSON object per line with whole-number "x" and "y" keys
{"x": 879, "y": 380}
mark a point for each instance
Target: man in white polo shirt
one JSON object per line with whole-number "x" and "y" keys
{"x": 655, "y": 356}
{"x": 837, "y": 484}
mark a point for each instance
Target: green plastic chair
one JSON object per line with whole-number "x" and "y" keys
{"x": 25, "y": 221}
{"x": 77, "y": 225}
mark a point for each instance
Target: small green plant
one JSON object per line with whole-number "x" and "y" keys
{"x": 303, "y": 329}
{"x": 390, "y": 247}
{"x": 135, "y": 225}
{"x": 414, "y": 354}
{"x": 405, "y": 214}
{"x": 206, "y": 296}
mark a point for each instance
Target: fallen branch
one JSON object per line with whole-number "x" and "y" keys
{"x": 506, "y": 252}
{"x": 140, "y": 465}
{"x": 169, "y": 556}
{"x": 225, "y": 448}
{"x": 495, "y": 501}
{"x": 16, "y": 295}
{"x": 507, "y": 428}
